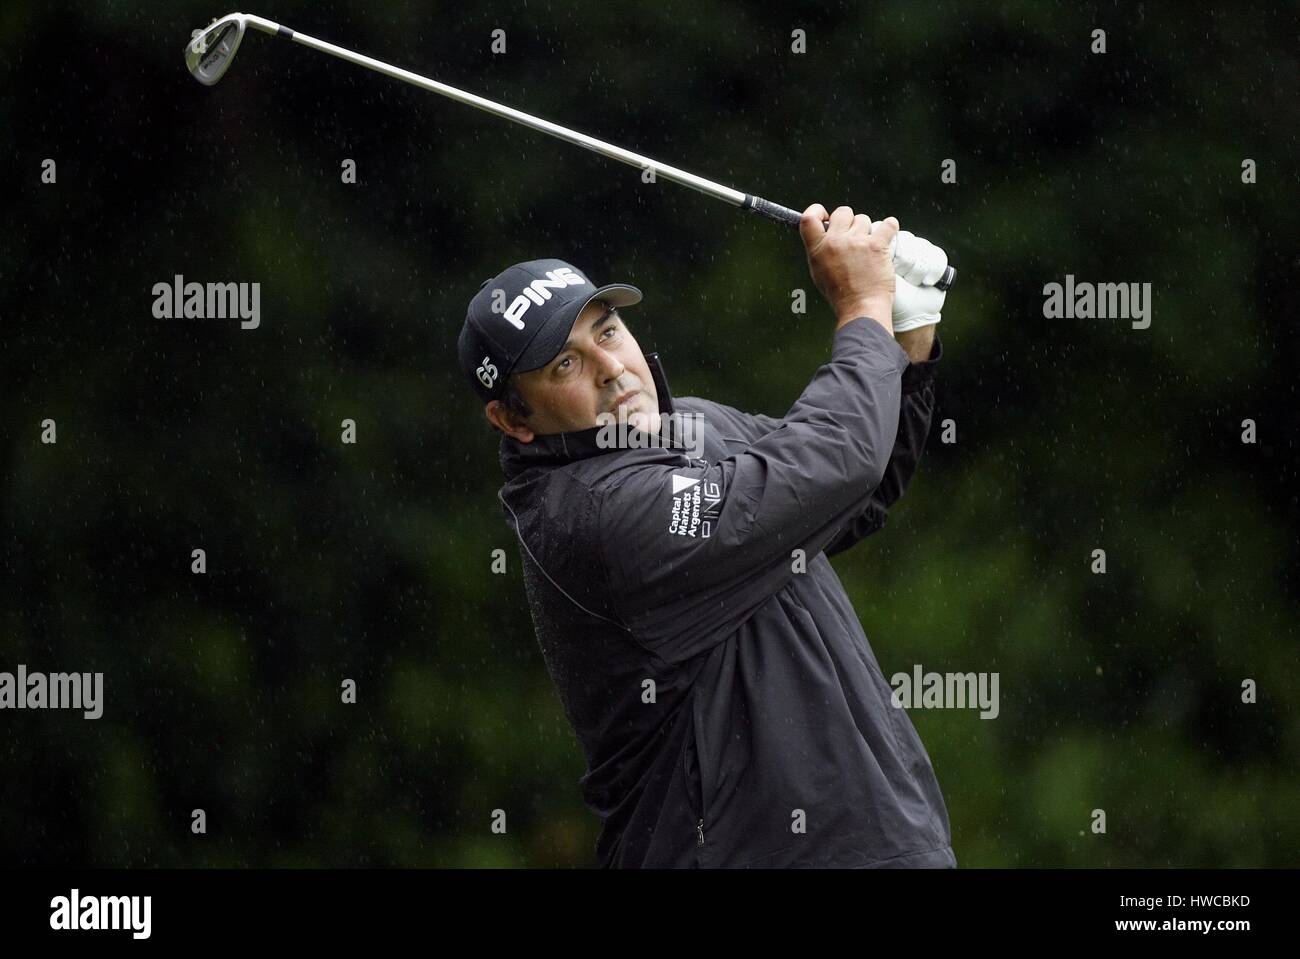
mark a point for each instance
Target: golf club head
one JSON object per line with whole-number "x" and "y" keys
{"x": 209, "y": 52}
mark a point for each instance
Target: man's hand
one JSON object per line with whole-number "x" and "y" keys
{"x": 917, "y": 260}
{"x": 850, "y": 263}
{"x": 916, "y": 306}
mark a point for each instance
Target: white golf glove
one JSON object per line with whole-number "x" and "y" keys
{"x": 916, "y": 259}
{"x": 915, "y": 306}
{"x": 918, "y": 263}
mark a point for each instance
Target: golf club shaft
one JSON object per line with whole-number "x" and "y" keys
{"x": 746, "y": 201}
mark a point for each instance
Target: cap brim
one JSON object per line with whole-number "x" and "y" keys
{"x": 550, "y": 339}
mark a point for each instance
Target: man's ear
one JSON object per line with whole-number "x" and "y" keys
{"x": 499, "y": 416}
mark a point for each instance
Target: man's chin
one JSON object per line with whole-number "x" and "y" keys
{"x": 636, "y": 418}
{"x": 645, "y": 422}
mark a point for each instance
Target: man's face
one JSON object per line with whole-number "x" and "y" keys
{"x": 600, "y": 365}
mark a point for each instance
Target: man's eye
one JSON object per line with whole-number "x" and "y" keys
{"x": 560, "y": 366}
{"x": 612, "y": 328}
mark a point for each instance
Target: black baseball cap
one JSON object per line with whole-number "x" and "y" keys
{"x": 520, "y": 319}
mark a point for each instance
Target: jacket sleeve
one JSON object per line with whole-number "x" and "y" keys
{"x": 915, "y": 413}
{"x": 692, "y": 551}
{"x": 916, "y": 410}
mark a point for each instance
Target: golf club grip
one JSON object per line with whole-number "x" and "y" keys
{"x": 783, "y": 214}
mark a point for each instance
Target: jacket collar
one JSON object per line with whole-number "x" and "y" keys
{"x": 555, "y": 449}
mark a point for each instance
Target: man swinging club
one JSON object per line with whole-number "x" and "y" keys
{"x": 729, "y": 706}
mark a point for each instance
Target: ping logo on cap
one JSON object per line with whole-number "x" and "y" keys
{"x": 539, "y": 291}
{"x": 487, "y": 372}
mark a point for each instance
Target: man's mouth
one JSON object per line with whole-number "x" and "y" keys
{"x": 625, "y": 398}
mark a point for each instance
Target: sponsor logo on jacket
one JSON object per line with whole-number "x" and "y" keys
{"x": 696, "y": 504}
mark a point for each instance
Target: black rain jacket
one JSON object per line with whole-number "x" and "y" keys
{"x": 729, "y": 706}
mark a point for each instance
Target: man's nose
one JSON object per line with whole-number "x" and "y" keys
{"x": 610, "y": 367}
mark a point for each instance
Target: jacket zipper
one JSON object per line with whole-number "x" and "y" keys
{"x": 700, "y": 828}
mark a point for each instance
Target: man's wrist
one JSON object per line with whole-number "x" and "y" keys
{"x": 920, "y": 373}
{"x": 918, "y": 342}
{"x": 881, "y": 310}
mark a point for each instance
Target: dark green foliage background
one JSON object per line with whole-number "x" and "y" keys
{"x": 371, "y": 562}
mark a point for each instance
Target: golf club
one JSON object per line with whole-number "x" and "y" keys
{"x": 209, "y": 52}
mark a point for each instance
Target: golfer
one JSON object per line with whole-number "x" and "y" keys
{"x": 730, "y": 709}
